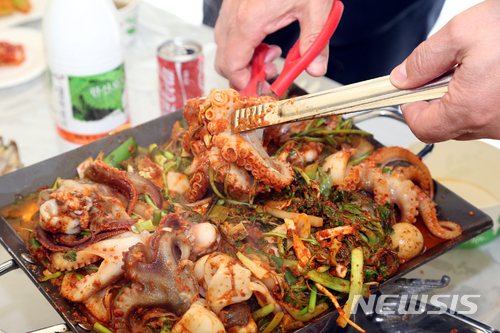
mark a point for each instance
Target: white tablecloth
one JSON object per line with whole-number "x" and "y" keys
{"x": 25, "y": 117}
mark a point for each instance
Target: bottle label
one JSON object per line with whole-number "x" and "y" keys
{"x": 87, "y": 108}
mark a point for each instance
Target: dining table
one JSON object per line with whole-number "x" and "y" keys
{"x": 26, "y": 118}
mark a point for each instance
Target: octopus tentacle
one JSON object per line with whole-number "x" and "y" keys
{"x": 111, "y": 251}
{"x": 237, "y": 151}
{"x": 385, "y": 187}
{"x": 235, "y": 177}
{"x": 417, "y": 176}
{"x": 440, "y": 229}
{"x": 82, "y": 259}
{"x": 386, "y": 155}
{"x": 103, "y": 173}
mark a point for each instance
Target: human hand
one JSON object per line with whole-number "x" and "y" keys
{"x": 243, "y": 25}
{"x": 471, "y": 108}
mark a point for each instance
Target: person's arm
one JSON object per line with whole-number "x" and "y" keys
{"x": 471, "y": 108}
{"x": 243, "y": 24}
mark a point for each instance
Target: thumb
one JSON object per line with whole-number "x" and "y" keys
{"x": 429, "y": 60}
{"x": 312, "y": 22}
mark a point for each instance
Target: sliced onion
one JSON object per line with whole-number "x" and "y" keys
{"x": 146, "y": 186}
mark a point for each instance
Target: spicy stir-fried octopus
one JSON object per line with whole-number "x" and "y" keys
{"x": 214, "y": 231}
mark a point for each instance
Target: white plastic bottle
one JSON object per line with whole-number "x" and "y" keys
{"x": 86, "y": 70}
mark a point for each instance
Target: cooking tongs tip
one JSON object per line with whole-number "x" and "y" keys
{"x": 367, "y": 95}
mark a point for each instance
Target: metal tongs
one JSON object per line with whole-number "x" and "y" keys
{"x": 362, "y": 96}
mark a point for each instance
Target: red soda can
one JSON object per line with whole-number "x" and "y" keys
{"x": 181, "y": 73}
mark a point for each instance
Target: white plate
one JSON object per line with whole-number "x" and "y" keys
{"x": 16, "y": 18}
{"x": 34, "y": 62}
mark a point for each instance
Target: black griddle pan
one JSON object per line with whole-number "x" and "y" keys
{"x": 29, "y": 179}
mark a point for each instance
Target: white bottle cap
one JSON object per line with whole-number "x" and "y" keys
{"x": 82, "y": 37}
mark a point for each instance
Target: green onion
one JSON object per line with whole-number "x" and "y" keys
{"x": 93, "y": 268}
{"x": 51, "y": 276}
{"x": 312, "y": 299}
{"x": 122, "y": 153}
{"x": 304, "y": 311}
{"x": 277, "y": 260}
{"x": 273, "y": 234}
{"x": 264, "y": 311}
{"x": 196, "y": 130}
{"x": 311, "y": 170}
{"x": 225, "y": 181}
{"x": 157, "y": 216}
{"x": 331, "y": 141}
{"x": 236, "y": 202}
{"x": 101, "y": 329}
{"x": 167, "y": 166}
{"x": 274, "y": 323}
{"x": 303, "y": 174}
{"x": 142, "y": 225}
{"x": 359, "y": 159}
{"x": 55, "y": 183}
{"x": 355, "y": 291}
{"x": 168, "y": 155}
{"x": 329, "y": 281}
{"x": 281, "y": 247}
{"x": 212, "y": 182}
{"x": 310, "y": 240}
{"x": 295, "y": 313}
{"x": 34, "y": 243}
{"x": 294, "y": 326}
{"x": 152, "y": 146}
{"x": 165, "y": 183}
{"x": 122, "y": 289}
{"x": 150, "y": 202}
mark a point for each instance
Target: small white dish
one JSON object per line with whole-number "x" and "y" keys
{"x": 16, "y": 18}
{"x": 34, "y": 62}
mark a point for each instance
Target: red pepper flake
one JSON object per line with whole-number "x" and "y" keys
{"x": 471, "y": 213}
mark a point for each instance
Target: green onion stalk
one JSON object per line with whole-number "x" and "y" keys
{"x": 122, "y": 153}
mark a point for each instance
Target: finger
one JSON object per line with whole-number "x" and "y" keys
{"x": 233, "y": 56}
{"x": 429, "y": 60}
{"x": 312, "y": 21}
{"x": 430, "y": 123}
{"x": 265, "y": 89}
{"x": 271, "y": 70}
{"x": 273, "y": 53}
{"x": 319, "y": 65}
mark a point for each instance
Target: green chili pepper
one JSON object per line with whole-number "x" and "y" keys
{"x": 122, "y": 153}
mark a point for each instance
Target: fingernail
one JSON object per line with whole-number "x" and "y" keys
{"x": 318, "y": 66}
{"x": 399, "y": 74}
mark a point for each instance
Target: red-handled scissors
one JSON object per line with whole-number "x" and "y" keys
{"x": 294, "y": 63}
